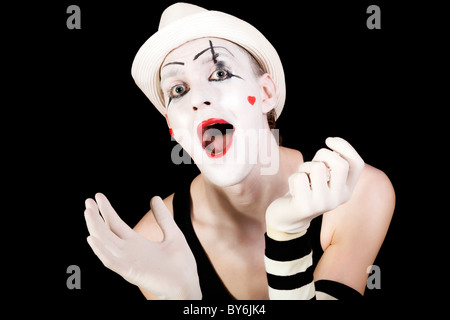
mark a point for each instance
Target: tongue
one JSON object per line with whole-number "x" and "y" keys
{"x": 214, "y": 141}
{"x": 217, "y": 144}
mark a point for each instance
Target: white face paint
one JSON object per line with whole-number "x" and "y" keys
{"x": 214, "y": 107}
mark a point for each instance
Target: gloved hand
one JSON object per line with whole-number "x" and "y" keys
{"x": 319, "y": 186}
{"x": 167, "y": 268}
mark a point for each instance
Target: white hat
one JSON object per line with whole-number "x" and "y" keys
{"x": 183, "y": 22}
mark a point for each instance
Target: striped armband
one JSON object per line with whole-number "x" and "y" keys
{"x": 289, "y": 267}
{"x": 332, "y": 290}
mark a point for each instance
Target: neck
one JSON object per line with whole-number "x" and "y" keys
{"x": 247, "y": 201}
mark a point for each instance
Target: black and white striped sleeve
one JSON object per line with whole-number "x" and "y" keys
{"x": 289, "y": 267}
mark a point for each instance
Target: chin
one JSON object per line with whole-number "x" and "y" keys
{"x": 225, "y": 175}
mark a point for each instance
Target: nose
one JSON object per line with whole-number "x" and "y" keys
{"x": 206, "y": 103}
{"x": 201, "y": 98}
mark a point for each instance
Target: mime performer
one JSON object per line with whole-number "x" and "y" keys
{"x": 258, "y": 222}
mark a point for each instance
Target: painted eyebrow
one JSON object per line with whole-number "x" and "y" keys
{"x": 175, "y": 62}
{"x": 211, "y": 47}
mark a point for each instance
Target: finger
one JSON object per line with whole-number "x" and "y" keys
{"x": 318, "y": 176}
{"x": 317, "y": 173}
{"x": 299, "y": 184}
{"x": 112, "y": 219}
{"x": 338, "y": 167}
{"x": 342, "y": 147}
{"x": 98, "y": 228}
{"x": 163, "y": 217}
{"x": 94, "y": 221}
{"x": 104, "y": 254}
{"x": 346, "y": 151}
{"x": 90, "y": 203}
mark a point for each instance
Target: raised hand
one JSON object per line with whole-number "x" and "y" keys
{"x": 319, "y": 186}
{"x": 167, "y": 268}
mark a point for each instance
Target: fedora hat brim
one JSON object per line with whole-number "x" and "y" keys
{"x": 203, "y": 23}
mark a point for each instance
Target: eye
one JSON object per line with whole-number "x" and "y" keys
{"x": 219, "y": 75}
{"x": 178, "y": 91}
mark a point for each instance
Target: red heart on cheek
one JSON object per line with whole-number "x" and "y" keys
{"x": 251, "y": 100}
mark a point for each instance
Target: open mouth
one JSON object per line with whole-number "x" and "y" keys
{"x": 216, "y": 136}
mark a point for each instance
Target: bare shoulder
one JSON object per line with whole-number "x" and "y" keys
{"x": 377, "y": 182}
{"x": 370, "y": 208}
{"x": 291, "y": 159}
{"x": 293, "y": 154}
{"x": 148, "y": 227}
{"x": 353, "y": 233}
{"x": 374, "y": 196}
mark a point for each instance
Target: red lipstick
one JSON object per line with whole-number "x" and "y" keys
{"x": 216, "y": 136}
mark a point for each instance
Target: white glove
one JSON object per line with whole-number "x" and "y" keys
{"x": 319, "y": 186}
{"x": 167, "y": 268}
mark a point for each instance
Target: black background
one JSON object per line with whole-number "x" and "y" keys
{"x": 88, "y": 128}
